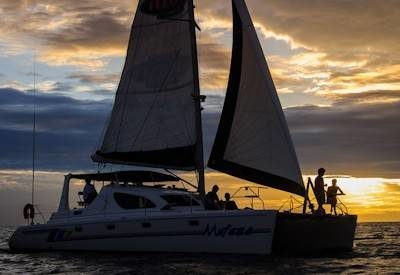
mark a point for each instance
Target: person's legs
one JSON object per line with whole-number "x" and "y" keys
{"x": 320, "y": 209}
{"x": 334, "y": 204}
{"x": 321, "y": 200}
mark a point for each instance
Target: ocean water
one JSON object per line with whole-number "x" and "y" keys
{"x": 376, "y": 251}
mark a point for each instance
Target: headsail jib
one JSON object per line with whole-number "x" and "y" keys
{"x": 253, "y": 141}
{"x": 153, "y": 121}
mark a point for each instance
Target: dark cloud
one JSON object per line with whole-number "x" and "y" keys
{"x": 213, "y": 55}
{"x": 68, "y": 130}
{"x": 361, "y": 27}
{"x": 357, "y": 42}
{"x": 210, "y": 126}
{"x": 102, "y": 30}
{"x": 348, "y": 138}
{"x": 60, "y": 87}
{"x": 369, "y": 25}
{"x": 67, "y": 32}
{"x": 366, "y": 97}
{"x": 352, "y": 138}
{"x": 214, "y": 61}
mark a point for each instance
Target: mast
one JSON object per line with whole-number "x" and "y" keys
{"x": 198, "y": 99}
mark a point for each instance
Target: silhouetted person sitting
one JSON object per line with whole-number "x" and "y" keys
{"x": 89, "y": 192}
{"x": 211, "y": 200}
{"x": 331, "y": 195}
{"x": 319, "y": 190}
{"x": 228, "y": 204}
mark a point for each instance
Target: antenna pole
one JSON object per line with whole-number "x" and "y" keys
{"x": 198, "y": 99}
{"x": 34, "y": 129}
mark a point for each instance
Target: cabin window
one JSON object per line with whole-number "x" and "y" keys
{"x": 180, "y": 200}
{"x": 128, "y": 201}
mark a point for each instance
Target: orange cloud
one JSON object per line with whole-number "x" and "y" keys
{"x": 346, "y": 45}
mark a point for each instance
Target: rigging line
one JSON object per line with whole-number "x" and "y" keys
{"x": 34, "y": 129}
{"x": 183, "y": 180}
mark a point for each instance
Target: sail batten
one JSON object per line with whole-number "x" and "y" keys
{"x": 253, "y": 141}
{"x": 153, "y": 121}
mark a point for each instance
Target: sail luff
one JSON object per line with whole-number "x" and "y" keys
{"x": 225, "y": 125}
{"x": 253, "y": 141}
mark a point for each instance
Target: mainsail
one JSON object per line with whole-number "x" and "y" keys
{"x": 156, "y": 109}
{"x": 253, "y": 141}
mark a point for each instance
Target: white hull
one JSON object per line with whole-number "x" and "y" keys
{"x": 243, "y": 232}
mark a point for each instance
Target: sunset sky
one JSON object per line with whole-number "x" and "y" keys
{"x": 336, "y": 66}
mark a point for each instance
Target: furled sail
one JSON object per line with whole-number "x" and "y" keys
{"x": 153, "y": 121}
{"x": 253, "y": 141}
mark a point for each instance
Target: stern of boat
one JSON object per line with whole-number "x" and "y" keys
{"x": 307, "y": 233}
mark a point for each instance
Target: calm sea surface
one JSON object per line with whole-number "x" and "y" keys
{"x": 377, "y": 251}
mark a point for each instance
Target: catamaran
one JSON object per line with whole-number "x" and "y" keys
{"x": 156, "y": 123}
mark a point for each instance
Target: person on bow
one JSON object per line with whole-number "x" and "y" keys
{"x": 319, "y": 190}
{"x": 331, "y": 195}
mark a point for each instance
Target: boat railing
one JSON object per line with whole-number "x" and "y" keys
{"x": 293, "y": 204}
{"x": 291, "y": 201}
{"x": 342, "y": 207}
{"x": 252, "y": 193}
{"x": 38, "y": 211}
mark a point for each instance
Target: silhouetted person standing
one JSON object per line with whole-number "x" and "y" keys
{"x": 211, "y": 199}
{"x": 89, "y": 192}
{"x": 319, "y": 190}
{"x": 331, "y": 195}
{"x": 228, "y": 204}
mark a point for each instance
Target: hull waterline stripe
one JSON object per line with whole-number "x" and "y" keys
{"x": 153, "y": 234}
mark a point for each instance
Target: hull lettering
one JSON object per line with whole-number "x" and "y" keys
{"x": 227, "y": 230}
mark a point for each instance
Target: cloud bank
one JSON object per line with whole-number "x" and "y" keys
{"x": 351, "y": 138}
